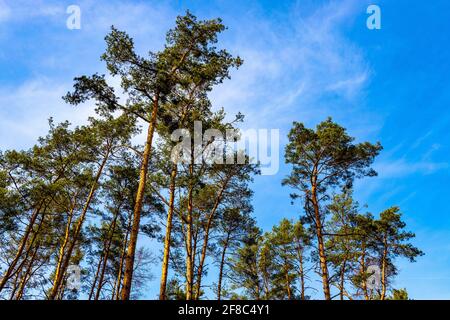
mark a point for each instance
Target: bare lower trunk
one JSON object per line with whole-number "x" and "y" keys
{"x": 363, "y": 271}
{"x": 107, "y": 248}
{"x": 302, "y": 275}
{"x": 15, "y": 286}
{"x": 167, "y": 239}
{"x": 62, "y": 249}
{"x": 94, "y": 282}
{"x": 189, "y": 261}
{"x": 189, "y": 250}
{"x": 206, "y": 238}
{"x": 27, "y": 275}
{"x": 222, "y": 265}
{"x": 383, "y": 272}
{"x": 10, "y": 270}
{"x": 321, "y": 247}
{"x": 118, "y": 284}
{"x": 288, "y": 286}
{"x": 129, "y": 260}
{"x": 342, "y": 280}
{"x": 59, "y": 273}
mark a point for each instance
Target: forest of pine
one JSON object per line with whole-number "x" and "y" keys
{"x": 91, "y": 197}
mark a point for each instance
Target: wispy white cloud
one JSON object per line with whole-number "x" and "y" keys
{"x": 402, "y": 167}
{"x": 20, "y": 10}
{"x": 290, "y": 68}
{"x": 5, "y": 11}
{"x": 24, "y": 111}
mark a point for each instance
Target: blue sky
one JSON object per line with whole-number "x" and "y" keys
{"x": 303, "y": 60}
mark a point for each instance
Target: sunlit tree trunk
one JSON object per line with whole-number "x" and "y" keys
{"x": 129, "y": 260}
{"x": 10, "y": 270}
{"x": 107, "y": 248}
{"x": 321, "y": 247}
{"x": 206, "y": 239}
{"x": 383, "y": 270}
{"x": 222, "y": 266}
{"x": 167, "y": 239}
{"x": 27, "y": 275}
{"x": 59, "y": 273}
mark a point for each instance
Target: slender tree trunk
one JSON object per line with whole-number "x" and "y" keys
{"x": 14, "y": 286}
{"x": 59, "y": 274}
{"x": 342, "y": 279}
{"x": 107, "y": 248}
{"x": 189, "y": 250}
{"x": 62, "y": 249}
{"x": 221, "y": 268}
{"x": 301, "y": 274}
{"x": 118, "y": 284}
{"x": 26, "y": 275}
{"x": 94, "y": 282}
{"x": 129, "y": 260}
{"x": 321, "y": 247}
{"x": 288, "y": 286}
{"x": 167, "y": 239}
{"x": 28, "y": 250}
{"x": 362, "y": 271}
{"x": 189, "y": 262}
{"x": 383, "y": 272}
{"x": 266, "y": 285}
{"x": 205, "y": 240}
{"x": 10, "y": 270}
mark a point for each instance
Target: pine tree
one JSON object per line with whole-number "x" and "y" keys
{"x": 323, "y": 159}
{"x": 392, "y": 242}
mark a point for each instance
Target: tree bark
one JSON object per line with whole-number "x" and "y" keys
{"x": 342, "y": 279}
{"x": 59, "y": 274}
{"x": 301, "y": 273}
{"x": 94, "y": 283}
{"x": 27, "y": 275}
{"x": 167, "y": 239}
{"x": 206, "y": 238}
{"x": 129, "y": 260}
{"x": 222, "y": 265}
{"x": 363, "y": 271}
{"x": 321, "y": 247}
{"x": 118, "y": 284}
{"x": 383, "y": 271}
{"x": 107, "y": 248}
{"x": 9, "y": 271}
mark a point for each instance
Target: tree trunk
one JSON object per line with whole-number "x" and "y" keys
{"x": 14, "y": 286}
{"x": 26, "y": 275}
{"x": 301, "y": 274}
{"x": 118, "y": 284}
{"x": 383, "y": 271}
{"x": 288, "y": 286}
{"x": 59, "y": 274}
{"x": 129, "y": 260}
{"x": 107, "y": 248}
{"x": 205, "y": 240}
{"x": 342, "y": 279}
{"x": 94, "y": 282}
{"x": 321, "y": 247}
{"x": 189, "y": 250}
{"x": 363, "y": 271}
{"x": 167, "y": 239}
{"x": 222, "y": 264}
{"x": 66, "y": 237}
{"x": 9, "y": 272}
